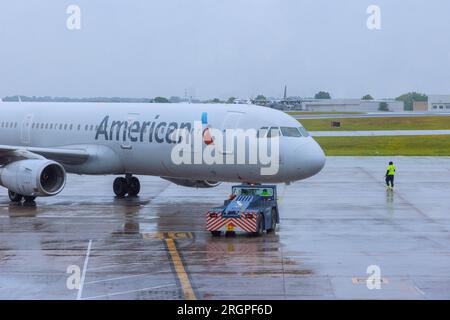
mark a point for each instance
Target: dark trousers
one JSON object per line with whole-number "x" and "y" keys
{"x": 390, "y": 180}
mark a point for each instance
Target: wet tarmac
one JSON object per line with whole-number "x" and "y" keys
{"x": 85, "y": 244}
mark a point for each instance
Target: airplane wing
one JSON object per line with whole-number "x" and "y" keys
{"x": 10, "y": 154}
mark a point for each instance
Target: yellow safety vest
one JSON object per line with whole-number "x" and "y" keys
{"x": 391, "y": 170}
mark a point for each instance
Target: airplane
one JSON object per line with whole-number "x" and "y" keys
{"x": 41, "y": 142}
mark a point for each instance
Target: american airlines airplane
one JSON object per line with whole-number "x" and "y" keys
{"x": 40, "y": 142}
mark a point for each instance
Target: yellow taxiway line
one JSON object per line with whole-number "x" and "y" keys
{"x": 186, "y": 286}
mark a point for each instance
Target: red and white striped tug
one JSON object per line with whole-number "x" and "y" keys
{"x": 246, "y": 222}
{"x": 250, "y": 208}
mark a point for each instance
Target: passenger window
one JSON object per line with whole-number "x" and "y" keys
{"x": 92, "y": 127}
{"x": 46, "y": 126}
{"x": 60, "y": 127}
{"x": 65, "y": 127}
{"x": 42, "y": 126}
{"x": 86, "y": 127}
{"x": 290, "y": 132}
{"x": 79, "y": 127}
{"x": 71, "y": 126}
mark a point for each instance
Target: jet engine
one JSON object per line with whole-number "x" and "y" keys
{"x": 193, "y": 183}
{"x": 33, "y": 177}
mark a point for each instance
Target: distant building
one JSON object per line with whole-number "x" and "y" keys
{"x": 349, "y": 105}
{"x": 420, "y": 106}
{"x": 242, "y": 101}
{"x": 439, "y": 103}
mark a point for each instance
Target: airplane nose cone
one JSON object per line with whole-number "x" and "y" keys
{"x": 310, "y": 159}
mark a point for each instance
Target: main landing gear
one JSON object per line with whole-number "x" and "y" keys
{"x": 17, "y": 198}
{"x": 129, "y": 185}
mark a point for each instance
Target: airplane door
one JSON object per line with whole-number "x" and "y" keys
{"x": 231, "y": 121}
{"x": 126, "y": 144}
{"x": 25, "y": 136}
{"x": 127, "y": 147}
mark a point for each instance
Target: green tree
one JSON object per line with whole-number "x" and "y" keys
{"x": 216, "y": 100}
{"x": 410, "y": 97}
{"x": 322, "y": 95}
{"x": 367, "y": 97}
{"x": 260, "y": 100}
{"x": 383, "y": 106}
{"x": 231, "y": 100}
{"x": 161, "y": 100}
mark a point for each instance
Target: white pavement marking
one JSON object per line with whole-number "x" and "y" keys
{"x": 379, "y": 133}
{"x": 121, "y": 264}
{"x": 83, "y": 276}
{"x": 124, "y": 277}
{"x": 130, "y": 291}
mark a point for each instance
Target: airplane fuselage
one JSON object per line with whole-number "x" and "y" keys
{"x": 139, "y": 138}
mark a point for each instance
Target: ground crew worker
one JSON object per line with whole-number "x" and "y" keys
{"x": 390, "y": 175}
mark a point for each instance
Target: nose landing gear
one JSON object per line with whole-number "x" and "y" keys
{"x": 129, "y": 185}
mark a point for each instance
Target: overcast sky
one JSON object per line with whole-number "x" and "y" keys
{"x": 222, "y": 48}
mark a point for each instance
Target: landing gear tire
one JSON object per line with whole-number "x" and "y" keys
{"x": 14, "y": 197}
{"x": 259, "y": 226}
{"x": 216, "y": 233}
{"x": 134, "y": 186}
{"x": 274, "y": 221}
{"x": 120, "y": 187}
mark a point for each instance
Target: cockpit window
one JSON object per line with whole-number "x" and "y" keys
{"x": 262, "y": 132}
{"x": 273, "y": 131}
{"x": 304, "y": 132}
{"x": 290, "y": 132}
